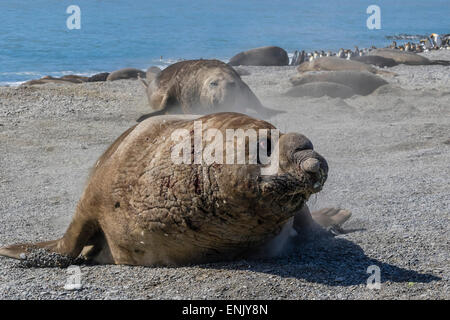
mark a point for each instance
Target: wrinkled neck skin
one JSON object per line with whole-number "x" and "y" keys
{"x": 276, "y": 197}
{"x": 264, "y": 205}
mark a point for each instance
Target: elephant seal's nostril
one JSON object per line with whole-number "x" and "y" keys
{"x": 310, "y": 165}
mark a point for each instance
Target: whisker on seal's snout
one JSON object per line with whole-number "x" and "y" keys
{"x": 316, "y": 171}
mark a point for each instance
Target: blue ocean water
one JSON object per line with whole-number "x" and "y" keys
{"x": 35, "y": 41}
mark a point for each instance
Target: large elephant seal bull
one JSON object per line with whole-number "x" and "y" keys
{"x": 140, "y": 207}
{"x": 201, "y": 87}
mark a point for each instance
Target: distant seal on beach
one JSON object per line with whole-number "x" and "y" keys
{"x": 335, "y": 64}
{"x": 75, "y": 77}
{"x": 362, "y": 82}
{"x": 141, "y": 208}
{"x": 408, "y": 58}
{"x": 201, "y": 86}
{"x": 400, "y": 57}
{"x": 320, "y": 89}
{"x": 98, "y": 77}
{"x": 126, "y": 73}
{"x": 376, "y": 60}
{"x": 264, "y": 56}
{"x": 50, "y": 79}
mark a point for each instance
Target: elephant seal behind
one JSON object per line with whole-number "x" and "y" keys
{"x": 98, "y": 77}
{"x": 50, "y": 79}
{"x": 408, "y": 58}
{"x": 336, "y": 64}
{"x": 362, "y": 83}
{"x": 140, "y": 207}
{"x": 264, "y": 56}
{"x": 400, "y": 57}
{"x": 376, "y": 60}
{"x": 126, "y": 73}
{"x": 75, "y": 77}
{"x": 320, "y": 89}
{"x": 201, "y": 86}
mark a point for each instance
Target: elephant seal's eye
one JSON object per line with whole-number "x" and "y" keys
{"x": 264, "y": 149}
{"x": 214, "y": 84}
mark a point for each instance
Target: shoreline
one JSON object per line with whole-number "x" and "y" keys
{"x": 165, "y": 63}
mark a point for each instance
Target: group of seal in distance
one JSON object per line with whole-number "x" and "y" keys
{"x": 276, "y": 56}
{"x": 345, "y": 75}
{"x": 432, "y": 42}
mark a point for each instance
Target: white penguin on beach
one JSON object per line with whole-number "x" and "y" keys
{"x": 436, "y": 40}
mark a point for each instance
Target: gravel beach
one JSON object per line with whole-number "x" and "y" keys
{"x": 388, "y": 154}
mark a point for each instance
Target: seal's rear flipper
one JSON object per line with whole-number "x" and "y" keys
{"x": 14, "y": 252}
{"x": 20, "y": 251}
{"x": 441, "y": 62}
{"x": 55, "y": 253}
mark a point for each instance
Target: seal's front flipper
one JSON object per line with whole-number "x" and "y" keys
{"x": 152, "y": 114}
{"x": 332, "y": 219}
{"x": 143, "y": 82}
{"x": 441, "y": 62}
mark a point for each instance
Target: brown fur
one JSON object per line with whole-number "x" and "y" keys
{"x": 139, "y": 208}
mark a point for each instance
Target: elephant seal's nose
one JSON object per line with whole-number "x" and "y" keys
{"x": 310, "y": 165}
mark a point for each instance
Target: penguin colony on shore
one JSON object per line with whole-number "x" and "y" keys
{"x": 433, "y": 42}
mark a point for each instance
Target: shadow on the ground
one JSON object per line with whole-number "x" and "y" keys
{"x": 319, "y": 257}
{"x": 327, "y": 260}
